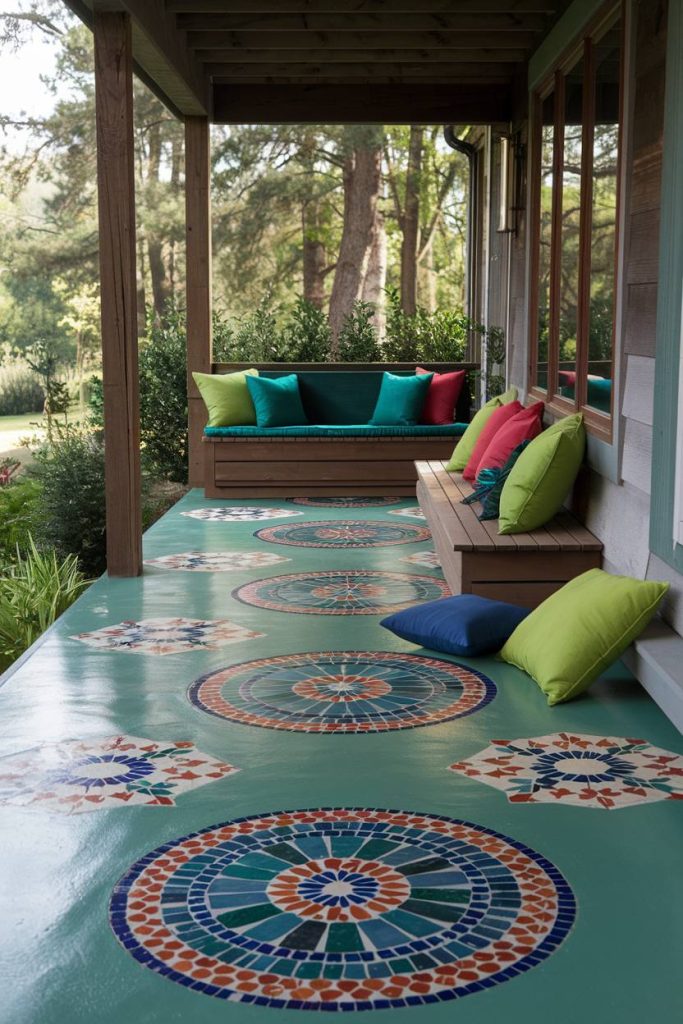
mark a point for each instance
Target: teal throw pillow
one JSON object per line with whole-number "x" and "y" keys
{"x": 401, "y": 400}
{"x": 277, "y": 401}
{"x": 490, "y": 483}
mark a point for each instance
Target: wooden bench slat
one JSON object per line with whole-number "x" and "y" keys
{"x": 467, "y": 516}
{"x": 582, "y": 535}
{"x": 451, "y": 525}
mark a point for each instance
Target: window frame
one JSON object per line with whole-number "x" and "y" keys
{"x": 598, "y": 423}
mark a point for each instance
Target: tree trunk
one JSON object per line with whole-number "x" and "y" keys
{"x": 362, "y": 172}
{"x": 427, "y": 277}
{"x": 375, "y": 280}
{"x": 313, "y": 255}
{"x": 155, "y": 254}
{"x": 411, "y": 222}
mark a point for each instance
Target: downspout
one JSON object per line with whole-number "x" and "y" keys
{"x": 468, "y": 150}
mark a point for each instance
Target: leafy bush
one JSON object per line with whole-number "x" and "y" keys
{"x": 357, "y": 341}
{"x": 163, "y": 395}
{"x": 440, "y": 336}
{"x": 307, "y": 335}
{"x": 18, "y": 503}
{"x": 96, "y": 402}
{"x": 34, "y": 591}
{"x": 20, "y": 391}
{"x": 70, "y": 515}
{"x": 258, "y": 338}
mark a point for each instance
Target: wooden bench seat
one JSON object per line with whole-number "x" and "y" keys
{"x": 522, "y": 568}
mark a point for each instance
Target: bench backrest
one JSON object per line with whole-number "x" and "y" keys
{"x": 345, "y": 393}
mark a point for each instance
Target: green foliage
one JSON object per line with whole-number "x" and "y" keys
{"x": 19, "y": 501}
{"x": 307, "y": 333}
{"x": 163, "y": 395}
{"x": 20, "y": 391}
{"x": 34, "y": 590}
{"x": 358, "y": 338}
{"x": 440, "y": 336}
{"x": 70, "y": 513}
{"x": 96, "y": 402}
{"x": 258, "y": 338}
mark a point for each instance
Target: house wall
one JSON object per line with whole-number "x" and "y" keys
{"x": 615, "y": 501}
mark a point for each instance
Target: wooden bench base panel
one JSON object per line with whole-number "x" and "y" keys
{"x": 301, "y": 467}
{"x": 522, "y": 570}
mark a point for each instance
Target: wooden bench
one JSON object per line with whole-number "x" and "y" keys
{"x": 521, "y": 568}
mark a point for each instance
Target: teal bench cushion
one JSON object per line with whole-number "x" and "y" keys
{"x": 342, "y": 430}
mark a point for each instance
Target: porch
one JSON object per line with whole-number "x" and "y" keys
{"x": 73, "y": 838}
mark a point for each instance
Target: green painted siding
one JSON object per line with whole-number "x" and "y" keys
{"x": 669, "y": 304}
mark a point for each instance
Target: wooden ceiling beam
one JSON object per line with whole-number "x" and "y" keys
{"x": 360, "y": 40}
{"x": 547, "y": 7}
{"x": 354, "y": 103}
{"x": 226, "y": 73}
{"x": 426, "y": 21}
{"x": 269, "y": 57}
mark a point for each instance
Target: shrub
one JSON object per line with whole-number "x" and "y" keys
{"x": 258, "y": 338}
{"x": 307, "y": 335}
{"x": 163, "y": 395}
{"x": 18, "y": 504}
{"x": 20, "y": 391}
{"x": 357, "y": 341}
{"x": 70, "y": 515}
{"x": 34, "y": 591}
{"x": 96, "y": 402}
{"x": 440, "y": 336}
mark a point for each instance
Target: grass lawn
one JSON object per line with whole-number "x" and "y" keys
{"x": 13, "y": 429}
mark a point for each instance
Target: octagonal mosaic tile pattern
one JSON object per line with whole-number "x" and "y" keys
{"x": 166, "y": 636}
{"x": 217, "y": 561}
{"x": 239, "y": 514}
{"x": 342, "y": 692}
{"x": 342, "y": 909}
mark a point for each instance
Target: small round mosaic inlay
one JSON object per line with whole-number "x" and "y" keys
{"x": 342, "y": 692}
{"x": 357, "y": 502}
{"x": 342, "y": 533}
{"x": 342, "y": 909}
{"x": 342, "y": 592}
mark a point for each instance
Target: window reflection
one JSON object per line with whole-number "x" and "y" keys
{"x": 545, "y": 238}
{"x": 570, "y": 226}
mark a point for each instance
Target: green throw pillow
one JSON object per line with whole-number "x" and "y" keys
{"x": 227, "y": 398}
{"x": 277, "y": 401}
{"x": 400, "y": 400}
{"x": 465, "y": 445}
{"x": 570, "y": 639}
{"x": 542, "y": 476}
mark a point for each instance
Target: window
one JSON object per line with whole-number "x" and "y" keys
{"x": 575, "y": 180}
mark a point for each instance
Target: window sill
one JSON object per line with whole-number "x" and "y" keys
{"x": 598, "y": 424}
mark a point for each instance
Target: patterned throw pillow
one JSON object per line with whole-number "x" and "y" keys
{"x": 489, "y": 486}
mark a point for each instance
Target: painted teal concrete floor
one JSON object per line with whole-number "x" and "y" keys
{"x": 62, "y": 962}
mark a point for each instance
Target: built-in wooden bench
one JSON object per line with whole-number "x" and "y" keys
{"x": 521, "y": 568}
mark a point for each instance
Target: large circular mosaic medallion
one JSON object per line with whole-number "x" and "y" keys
{"x": 342, "y": 592}
{"x": 342, "y": 692}
{"x": 357, "y": 502}
{"x": 344, "y": 533}
{"x": 342, "y": 909}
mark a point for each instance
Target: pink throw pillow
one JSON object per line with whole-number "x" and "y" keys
{"x": 524, "y": 426}
{"x": 495, "y": 421}
{"x": 442, "y": 397}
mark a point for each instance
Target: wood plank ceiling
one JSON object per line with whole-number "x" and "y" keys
{"x": 343, "y": 60}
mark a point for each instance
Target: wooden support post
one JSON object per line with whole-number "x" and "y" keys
{"x": 198, "y": 259}
{"x": 118, "y": 288}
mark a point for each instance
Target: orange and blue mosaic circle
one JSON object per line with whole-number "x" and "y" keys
{"x": 344, "y": 533}
{"x": 342, "y": 592}
{"x": 342, "y": 909}
{"x": 339, "y": 692}
{"x": 351, "y": 502}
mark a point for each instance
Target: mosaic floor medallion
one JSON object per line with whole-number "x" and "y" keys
{"x": 412, "y": 512}
{"x": 335, "y": 502}
{"x": 342, "y": 692}
{"x": 342, "y": 909}
{"x": 239, "y": 515}
{"x": 341, "y": 592}
{"x": 217, "y": 561}
{"x": 429, "y": 559}
{"x": 118, "y": 771}
{"x": 585, "y": 771}
{"x": 166, "y": 636}
{"x": 344, "y": 533}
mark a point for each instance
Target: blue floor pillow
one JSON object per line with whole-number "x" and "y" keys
{"x": 465, "y": 624}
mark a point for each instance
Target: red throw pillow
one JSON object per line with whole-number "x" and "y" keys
{"x": 442, "y": 397}
{"x": 493, "y": 424}
{"x": 524, "y": 426}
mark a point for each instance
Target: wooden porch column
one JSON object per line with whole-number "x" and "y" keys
{"x": 198, "y": 276}
{"x": 116, "y": 192}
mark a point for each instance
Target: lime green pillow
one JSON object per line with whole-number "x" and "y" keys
{"x": 227, "y": 398}
{"x": 465, "y": 446}
{"x": 542, "y": 476}
{"x": 570, "y": 639}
